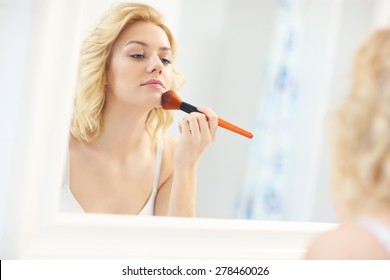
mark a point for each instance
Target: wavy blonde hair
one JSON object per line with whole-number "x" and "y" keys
{"x": 360, "y": 131}
{"x": 95, "y": 55}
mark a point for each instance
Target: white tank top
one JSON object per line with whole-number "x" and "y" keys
{"x": 68, "y": 203}
{"x": 378, "y": 229}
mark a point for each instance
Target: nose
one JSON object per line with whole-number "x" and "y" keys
{"x": 155, "y": 64}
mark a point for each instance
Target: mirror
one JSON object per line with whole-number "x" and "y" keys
{"x": 241, "y": 53}
{"x": 275, "y": 68}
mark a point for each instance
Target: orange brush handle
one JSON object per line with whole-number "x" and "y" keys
{"x": 229, "y": 126}
{"x": 188, "y": 108}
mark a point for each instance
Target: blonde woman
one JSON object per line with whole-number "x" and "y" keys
{"x": 120, "y": 158}
{"x": 360, "y": 161}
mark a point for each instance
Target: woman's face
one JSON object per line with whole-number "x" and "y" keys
{"x": 140, "y": 66}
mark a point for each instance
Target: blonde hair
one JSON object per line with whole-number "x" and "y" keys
{"x": 95, "y": 54}
{"x": 360, "y": 135}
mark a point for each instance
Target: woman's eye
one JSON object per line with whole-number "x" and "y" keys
{"x": 165, "y": 61}
{"x": 137, "y": 56}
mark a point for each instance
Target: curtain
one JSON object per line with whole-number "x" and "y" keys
{"x": 263, "y": 193}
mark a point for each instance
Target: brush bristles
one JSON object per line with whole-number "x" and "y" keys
{"x": 170, "y": 100}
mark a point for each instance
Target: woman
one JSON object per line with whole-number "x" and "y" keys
{"x": 361, "y": 161}
{"x": 121, "y": 160}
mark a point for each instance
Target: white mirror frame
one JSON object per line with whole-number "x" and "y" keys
{"x": 34, "y": 227}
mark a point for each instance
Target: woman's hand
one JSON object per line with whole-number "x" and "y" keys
{"x": 198, "y": 131}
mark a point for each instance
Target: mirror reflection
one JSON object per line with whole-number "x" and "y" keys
{"x": 272, "y": 67}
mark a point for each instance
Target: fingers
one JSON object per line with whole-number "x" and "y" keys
{"x": 191, "y": 124}
{"x": 198, "y": 131}
{"x": 184, "y": 127}
{"x": 212, "y": 119}
{"x": 197, "y": 124}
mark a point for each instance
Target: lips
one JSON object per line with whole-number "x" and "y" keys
{"x": 153, "y": 84}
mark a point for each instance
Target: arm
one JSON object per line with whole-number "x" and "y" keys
{"x": 177, "y": 196}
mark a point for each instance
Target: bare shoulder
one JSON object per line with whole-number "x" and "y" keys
{"x": 169, "y": 148}
{"x": 168, "y": 159}
{"x": 348, "y": 241}
{"x": 170, "y": 144}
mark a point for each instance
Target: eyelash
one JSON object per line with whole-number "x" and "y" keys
{"x": 141, "y": 56}
{"x": 137, "y": 56}
{"x": 165, "y": 61}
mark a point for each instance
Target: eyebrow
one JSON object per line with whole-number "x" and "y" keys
{"x": 146, "y": 45}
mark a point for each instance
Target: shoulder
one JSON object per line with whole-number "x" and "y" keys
{"x": 348, "y": 241}
{"x": 167, "y": 159}
{"x": 169, "y": 148}
{"x": 170, "y": 144}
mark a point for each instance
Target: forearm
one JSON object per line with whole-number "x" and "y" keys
{"x": 182, "y": 202}
{"x": 197, "y": 133}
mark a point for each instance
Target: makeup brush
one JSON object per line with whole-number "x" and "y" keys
{"x": 171, "y": 101}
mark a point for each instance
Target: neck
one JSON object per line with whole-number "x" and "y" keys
{"x": 123, "y": 131}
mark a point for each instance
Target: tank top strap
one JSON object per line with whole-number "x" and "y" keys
{"x": 148, "y": 209}
{"x": 380, "y": 230}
